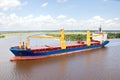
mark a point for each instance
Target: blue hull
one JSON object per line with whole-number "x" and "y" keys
{"x": 22, "y": 52}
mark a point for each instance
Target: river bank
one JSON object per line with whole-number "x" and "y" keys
{"x": 69, "y": 35}
{"x": 2, "y": 36}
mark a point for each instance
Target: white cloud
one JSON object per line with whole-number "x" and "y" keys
{"x": 30, "y": 22}
{"x": 107, "y": 24}
{"x": 9, "y": 4}
{"x": 116, "y": 18}
{"x": 48, "y": 22}
{"x": 105, "y": 0}
{"x": 61, "y": 17}
{"x": 71, "y": 20}
{"x": 44, "y": 4}
{"x": 95, "y": 21}
{"x": 99, "y": 18}
{"x": 61, "y": 1}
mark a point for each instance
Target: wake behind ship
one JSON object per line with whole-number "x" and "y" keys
{"x": 96, "y": 40}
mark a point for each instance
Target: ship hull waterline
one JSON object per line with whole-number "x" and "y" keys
{"x": 21, "y": 54}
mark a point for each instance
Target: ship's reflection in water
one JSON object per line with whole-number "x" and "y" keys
{"x": 98, "y": 64}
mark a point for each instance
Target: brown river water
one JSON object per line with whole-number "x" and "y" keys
{"x": 98, "y": 64}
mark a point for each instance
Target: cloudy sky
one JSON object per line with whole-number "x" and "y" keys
{"x": 57, "y": 14}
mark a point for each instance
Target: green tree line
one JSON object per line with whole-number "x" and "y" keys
{"x": 83, "y": 36}
{"x": 78, "y": 36}
{"x": 113, "y": 35}
{"x": 2, "y": 36}
{"x": 72, "y": 36}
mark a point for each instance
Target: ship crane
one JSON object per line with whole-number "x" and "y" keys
{"x": 61, "y": 38}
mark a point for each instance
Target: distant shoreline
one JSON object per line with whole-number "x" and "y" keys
{"x": 2, "y": 36}
{"x": 69, "y": 35}
{"x": 29, "y": 31}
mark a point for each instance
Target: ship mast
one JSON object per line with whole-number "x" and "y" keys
{"x": 100, "y": 29}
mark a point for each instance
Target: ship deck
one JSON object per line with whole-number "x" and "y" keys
{"x": 53, "y": 47}
{"x": 46, "y": 48}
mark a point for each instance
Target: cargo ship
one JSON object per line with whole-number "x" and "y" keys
{"x": 25, "y": 52}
